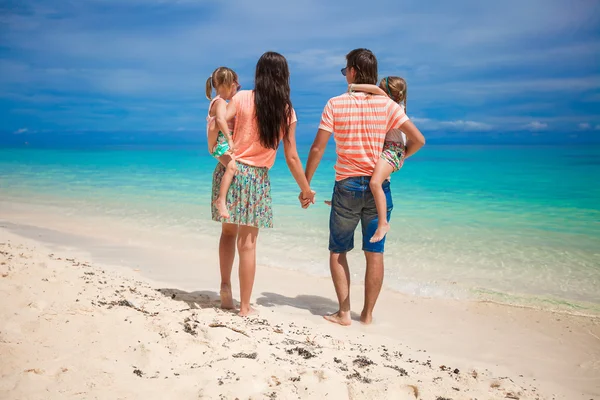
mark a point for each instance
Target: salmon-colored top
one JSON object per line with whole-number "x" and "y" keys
{"x": 359, "y": 122}
{"x": 248, "y": 149}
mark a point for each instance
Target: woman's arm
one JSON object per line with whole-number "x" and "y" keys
{"x": 295, "y": 165}
{"x": 363, "y": 87}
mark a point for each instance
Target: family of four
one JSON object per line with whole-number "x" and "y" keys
{"x": 372, "y": 135}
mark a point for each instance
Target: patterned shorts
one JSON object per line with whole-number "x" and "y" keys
{"x": 221, "y": 147}
{"x": 248, "y": 198}
{"x": 393, "y": 153}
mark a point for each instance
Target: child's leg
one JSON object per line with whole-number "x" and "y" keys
{"x": 382, "y": 171}
{"x": 230, "y": 169}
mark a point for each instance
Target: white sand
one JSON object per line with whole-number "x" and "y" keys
{"x": 81, "y": 317}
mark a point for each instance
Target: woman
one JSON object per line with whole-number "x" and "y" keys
{"x": 264, "y": 117}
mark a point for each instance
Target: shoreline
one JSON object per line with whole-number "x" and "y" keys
{"x": 549, "y": 349}
{"x": 43, "y": 215}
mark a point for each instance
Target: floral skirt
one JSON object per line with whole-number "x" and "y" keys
{"x": 248, "y": 198}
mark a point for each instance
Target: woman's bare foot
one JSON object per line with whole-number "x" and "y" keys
{"x": 366, "y": 319}
{"x": 380, "y": 233}
{"x": 226, "y": 297}
{"x": 340, "y": 317}
{"x": 247, "y": 311}
{"x": 222, "y": 207}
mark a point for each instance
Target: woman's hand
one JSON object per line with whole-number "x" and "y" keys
{"x": 307, "y": 198}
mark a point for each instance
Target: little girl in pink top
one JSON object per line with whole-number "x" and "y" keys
{"x": 219, "y": 132}
{"x": 394, "y": 149}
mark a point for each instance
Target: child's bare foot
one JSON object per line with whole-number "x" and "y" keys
{"x": 222, "y": 208}
{"x": 340, "y": 317}
{"x": 380, "y": 233}
{"x": 247, "y": 311}
{"x": 226, "y": 297}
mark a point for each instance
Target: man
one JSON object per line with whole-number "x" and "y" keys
{"x": 359, "y": 122}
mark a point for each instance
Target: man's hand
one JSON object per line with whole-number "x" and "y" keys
{"x": 307, "y": 198}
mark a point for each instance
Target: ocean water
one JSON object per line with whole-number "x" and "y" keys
{"x": 514, "y": 224}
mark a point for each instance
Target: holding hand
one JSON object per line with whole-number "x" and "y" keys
{"x": 307, "y": 198}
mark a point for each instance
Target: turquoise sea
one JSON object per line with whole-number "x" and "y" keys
{"x": 516, "y": 224}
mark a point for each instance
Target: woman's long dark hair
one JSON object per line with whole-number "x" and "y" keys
{"x": 272, "y": 98}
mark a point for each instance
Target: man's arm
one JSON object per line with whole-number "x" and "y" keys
{"x": 399, "y": 120}
{"x": 318, "y": 147}
{"x": 415, "y": 141}
{"x": 316, "y": 153}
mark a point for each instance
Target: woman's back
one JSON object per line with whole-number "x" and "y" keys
{"x": 246, "y": 138}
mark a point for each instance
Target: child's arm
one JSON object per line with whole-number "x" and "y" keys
{"x": 231, "y": 110}
{"x": 220, "y": 113}
{"x": 363, "y": 87}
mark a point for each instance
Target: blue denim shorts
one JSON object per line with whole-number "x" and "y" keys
{"x": 353, "y": 202}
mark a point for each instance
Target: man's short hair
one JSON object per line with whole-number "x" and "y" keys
{"x": 365, "y": 64}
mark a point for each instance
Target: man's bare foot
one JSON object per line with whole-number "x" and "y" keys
{"x": 380, "y": 233}
{"x": 366, "y": 319}
{"x": 245, "y": 312}
{"x": 340, "y": 317}
{"x": 222, "y": 208}
{"x": 226, "y": 298}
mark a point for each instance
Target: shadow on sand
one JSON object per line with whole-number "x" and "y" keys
{"x": 195, "y": 300}
{"x": 316, "y": 305}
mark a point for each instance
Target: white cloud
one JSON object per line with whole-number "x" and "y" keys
{"x": 318, "y": 59}
{"x": 458, "y": 125}
{"x": 584, "y": 126}
{"x": 467, "y": 125}
{"x": 536, "y": 126}
{"x": 20, "y": 131}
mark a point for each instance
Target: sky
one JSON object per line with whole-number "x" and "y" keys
{"x": 136, "y": 69}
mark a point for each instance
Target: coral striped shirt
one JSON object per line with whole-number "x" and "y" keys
{"x": 359, "y": 122}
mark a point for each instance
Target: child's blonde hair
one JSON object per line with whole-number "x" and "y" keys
{"x": 220, "y": 76}
{"x": 396, "y": 88}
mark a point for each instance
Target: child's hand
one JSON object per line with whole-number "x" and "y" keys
{"x": 231, "y": 146}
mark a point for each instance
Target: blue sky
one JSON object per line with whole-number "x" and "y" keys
{"x": 510, "y": 69}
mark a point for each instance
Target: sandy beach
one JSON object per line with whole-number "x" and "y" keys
{"x": 96, "y": 310}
